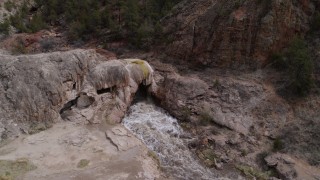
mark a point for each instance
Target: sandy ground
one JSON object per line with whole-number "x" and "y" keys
{"x": 112, "y": 153}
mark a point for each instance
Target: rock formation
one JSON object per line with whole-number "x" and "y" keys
{"x": 233, "y": 117}
{"x": 291, "y": 168}
{"x": 36, "y": 90}
{"x": 234, "y": 33}
{"x": 238, "y": 118}
{"x": 229, "y": 102}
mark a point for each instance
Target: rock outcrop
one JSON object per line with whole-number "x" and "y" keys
{"x": 234, "y": 33}
{"x": 70, "y": 150}
{"x": 291, "y": 168}
{"x": 36, "y": 90}
{"x": 255, "y": 116}
{"x": 230, "y": 102}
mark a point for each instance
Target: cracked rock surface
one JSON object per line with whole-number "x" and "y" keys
{"x": 58, "y": 151}
{"x": 121, "y": 138}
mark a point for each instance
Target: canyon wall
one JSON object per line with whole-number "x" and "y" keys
{"x": 234, "y": 34}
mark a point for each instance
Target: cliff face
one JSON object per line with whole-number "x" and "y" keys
{"x": 235, "y": 33}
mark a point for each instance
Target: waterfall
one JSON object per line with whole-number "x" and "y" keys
{"x": 161, "y": 133}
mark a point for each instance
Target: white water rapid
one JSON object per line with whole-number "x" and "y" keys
{"x": 161, "y": 133}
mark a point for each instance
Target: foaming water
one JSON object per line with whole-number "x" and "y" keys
{"x": 161, "y": 133}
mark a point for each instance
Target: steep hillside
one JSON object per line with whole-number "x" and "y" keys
{"x": 134, "y": 21}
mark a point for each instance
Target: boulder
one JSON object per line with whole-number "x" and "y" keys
{"x": 177, "y": 90}
{"x": 291, "y": 168}
{"x": 227, "y": 102}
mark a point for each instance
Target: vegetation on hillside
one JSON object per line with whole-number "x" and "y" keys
{"x": 134, "y": 20}
{"x": 315, "y": 24}
{"x": 296, "y": 61}
{"x": 4, "y": 27}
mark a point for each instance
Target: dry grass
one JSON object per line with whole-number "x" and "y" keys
{"x": 154, "y": 156}
{"x": 253, "y": 173}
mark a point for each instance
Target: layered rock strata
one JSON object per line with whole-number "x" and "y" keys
{"x": 234, "y": 33}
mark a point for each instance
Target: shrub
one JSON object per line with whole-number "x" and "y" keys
{"x": 47, "y": 44}
{"x": 83, "y": 163}
{"x": 9, "y": 6}
{"x": 4, "y": 27}
{"x": 216, "y": 83}
{"x": 300, "y": 67}
{"x": 76, "y": 30}
{"x": 143, "y": 37}
{"x": 238, "y": 3}
{"x": 158, "y": 32}
{"x": 185, "y": 113}
{"x": 279, "y": 62}
{"x": 208, "y": 157}
{"x": 36, "y": 24}
{"x": 278, "y": 144}
{"x": 19, "y": 47}
{"x": 260, "y": 159}
{"x": 205, "y": 118}
{"x": 253, "y": 172}
{"x": 297, "y": 62}
{"x": 18, "y": 20}
{"x": 315, "y": 25}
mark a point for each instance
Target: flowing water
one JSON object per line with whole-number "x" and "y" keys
{"x": 161, "y": 133}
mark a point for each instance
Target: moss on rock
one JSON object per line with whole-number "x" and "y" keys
{"x": 143, "y": 66}
{"x": 13, "y": 169}
{"x": 83, "y": 163}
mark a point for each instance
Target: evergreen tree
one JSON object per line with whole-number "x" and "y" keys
{"x": 300, "y": 67}
{"x": 131, "y": 15}
{"x": 36, "y": 23}
{"x": 131, "y": 19}
{"x": 4, "y": 27}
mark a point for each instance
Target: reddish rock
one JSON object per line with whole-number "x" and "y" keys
{"x": 234, "y": 33}
{"x": 107, "y": 54}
